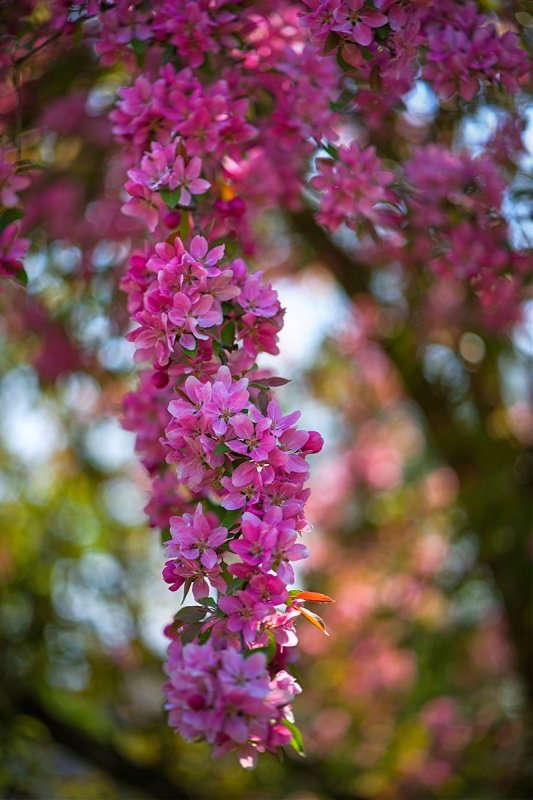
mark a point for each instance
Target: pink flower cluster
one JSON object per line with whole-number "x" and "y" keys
{"x": 465, "y": 51}
{"x": 457, "y": 47}
{"x": 454, "y": 213}
{"x": 354, "y": 188}
{"x": 202, "y": 323}
{"x": 229, "y": 699}
{"x": 181, "y": 310}
{"x": 163, "y": 168}
{"x": 234, "y": 503}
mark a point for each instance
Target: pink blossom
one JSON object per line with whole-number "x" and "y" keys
{"x": 196, "y": 536}
{"x": 352, "y": 188}
{"x": 257, "y": 540}
{"x": 356, "y": 22}
{"x": 178, "y": 571}
{"x": 253, "y": 435}
{"x": 227, "y": 399}
{"x": 244, "y": 614}
{"x": 188, "y": 315}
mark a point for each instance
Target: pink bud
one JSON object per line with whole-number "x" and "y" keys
{"x": 196, "y": 702}
{"x": 160, "y": 379}
{"x": 172, "y": 219}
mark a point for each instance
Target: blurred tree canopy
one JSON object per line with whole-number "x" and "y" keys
{"x": 421, "y": 500}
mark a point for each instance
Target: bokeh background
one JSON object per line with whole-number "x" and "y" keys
{"x": 420, "y": 508}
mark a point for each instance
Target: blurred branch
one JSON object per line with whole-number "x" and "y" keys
{"x": 39, "y": 47}
{"x": 351, "y": 275}
{"x": 149, "y": 780}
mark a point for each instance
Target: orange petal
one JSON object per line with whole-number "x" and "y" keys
{"x": 315, "y": 597}
{"x": 315, "y": 620}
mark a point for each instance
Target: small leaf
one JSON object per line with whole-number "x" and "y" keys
{"x": 272, "y": 647}
{"x": 331, "y": 43}
{"x": 315, "y": 597}
{"x": 21, "y": 276}
{"x": 208, "y": 601}
{"x": 170, "y": 197}
{"x": 228, "y": 334}
{"x": 297, "y": 741}
{"x": 383, "y": 32}
{"x": 191, "y": 614}
{"x": 234, "y": 584}
{"x": 315, "y": 620}
{"x": 221, "y": 448}
{"x": 203, "y": 636}
{"x": 275, "y": 381}
{"x": 262, "y": 401}
{"x": 139, "y": 48}
{"x": 331, "y": 150}
{"x": 169, "y": 53}
{"x": 184, "y": 226}
{"x": 186, "y": 587}
{"x": 10, "y": 215}
{"x": 341, "y": 62}
{"x": 229, "y": 518}
{"x": 191, "y": 632}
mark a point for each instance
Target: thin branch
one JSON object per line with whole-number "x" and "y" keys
{"x": 37, "y": 49}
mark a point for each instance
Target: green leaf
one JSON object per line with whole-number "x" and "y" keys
{"x": 331, "y": 43}
{"x": 383, "y": 32}
{"x": 292, "y": 594}
{"x": 169, "y": 53}
{"x": 341, "y": 62}
{"x": 191, "y": 614}
{"x": 272, "y": 646}
{"x": 184, "y": 227}
{"x": 165, "y": 535}
{"x": 10, "y": 215}
{"x": 208, "y": 601}
{"x": 21, "y": 276}
{"x": 170, "y": 197}
{"x": 203, "y": 636}
{"x": 234, "y": 584}
{"x": 221, "y": 448}
{"x": 228, "y": 334}
{"x": 297, "y": 741}
{"x": 139, "y": 48}
{"x": 331, "y": 150}
{"x": 228, "y": 520}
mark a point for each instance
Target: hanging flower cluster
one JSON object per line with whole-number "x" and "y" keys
{"x": 235, "y": 497}
{"x": 242, "y": 465}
